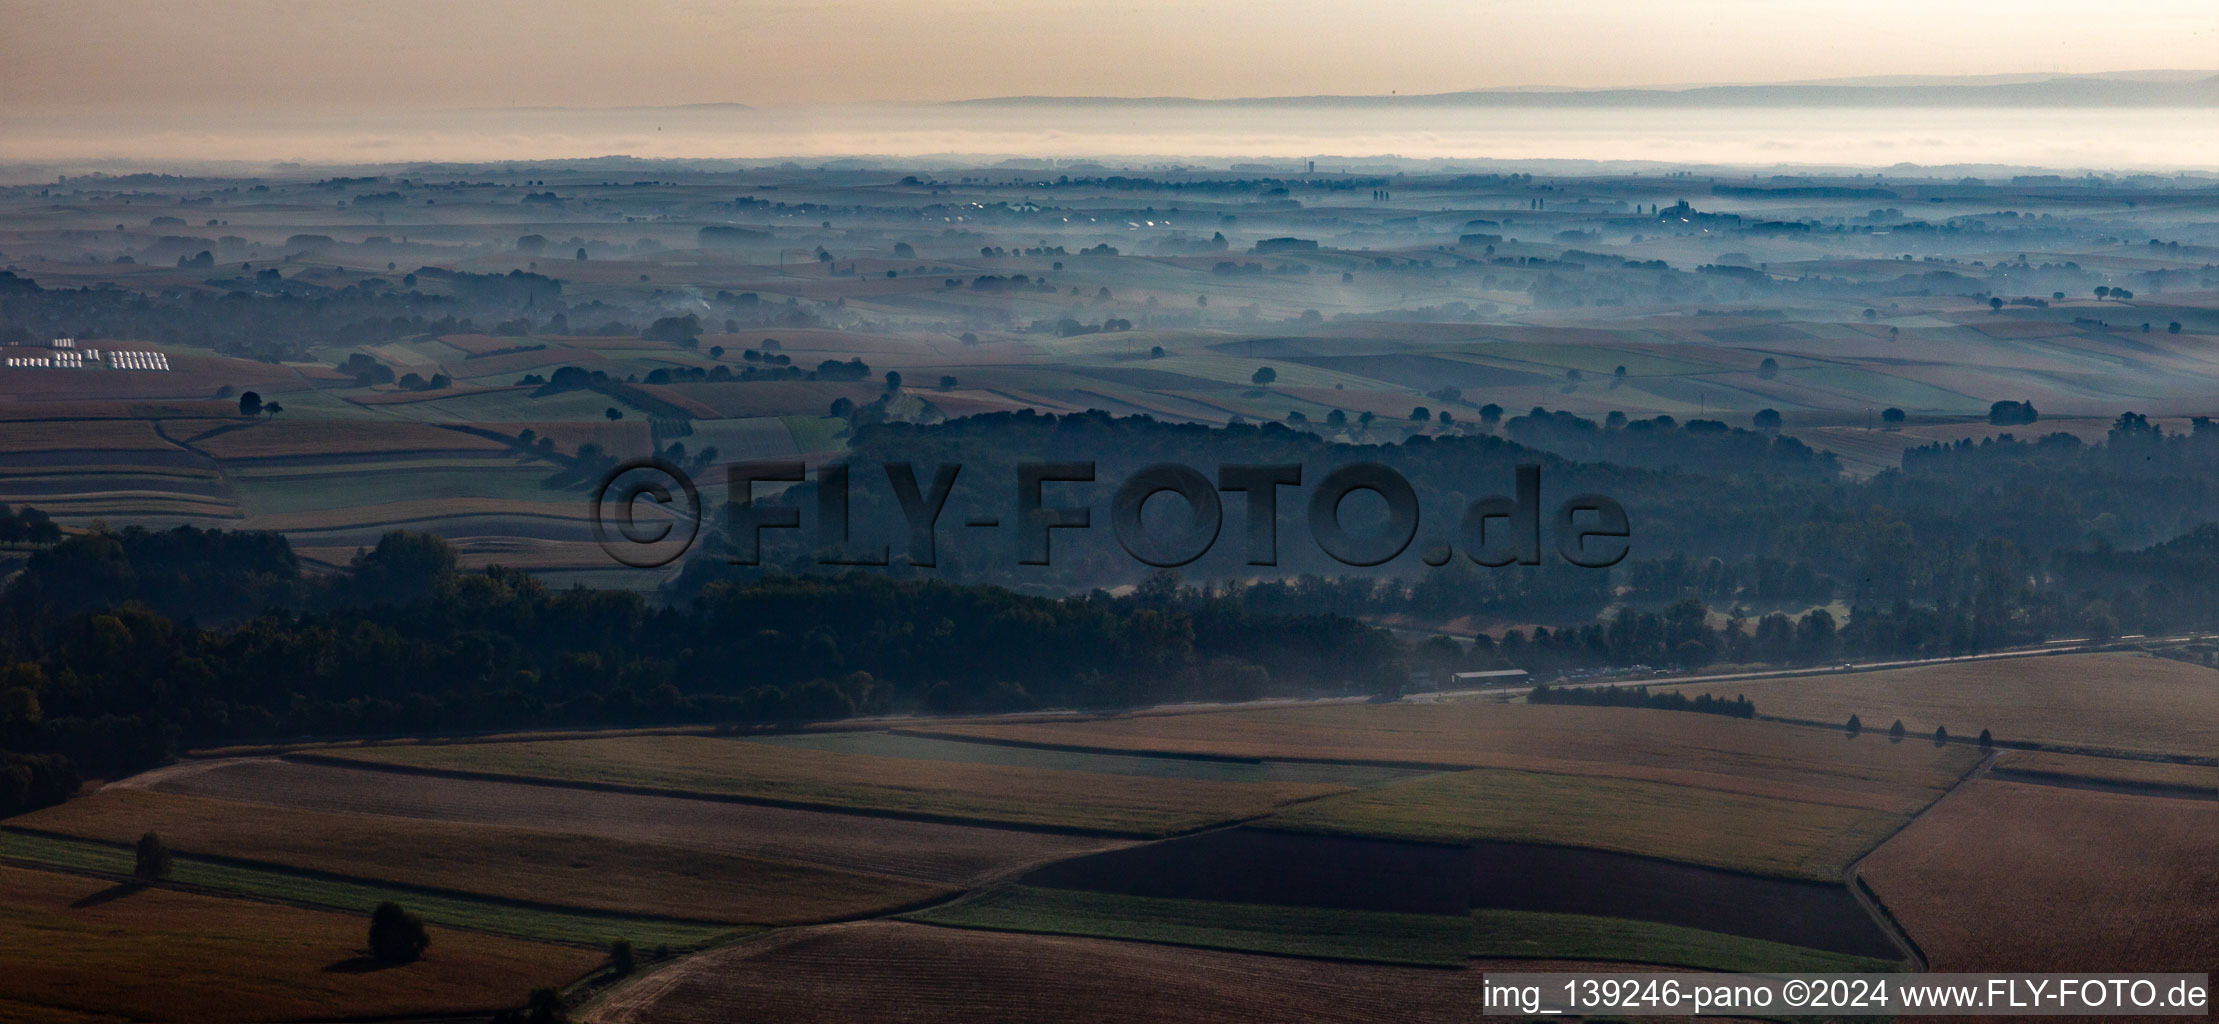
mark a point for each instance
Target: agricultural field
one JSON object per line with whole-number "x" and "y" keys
{"x": 1757, "y": 759}
{"x": 544, "y": 924}
{"x": 922, "y": 851}
{"x": 503, "y": 862}
{"x": 87, "y": 950}
{"x": 1763, "y": 835}
{"x": 2100, "y": 702}
{"x": 2008, "y": 876}
{"x": 1322, "y": 934}
{"x": 952, "y": 791}
{"x": 848, "y": 972}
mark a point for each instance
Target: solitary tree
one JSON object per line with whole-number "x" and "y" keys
{"x": 2102, "y": 290}
{"x": 271, "y": 409}
{"x": 250, "y": 404}
{"x": 1896, "y": 732}
{"x": 1768, "y": 369}
{"x": 1420, "y": 414}
{"x": 1854, "y": 726}
{"x": 1941, "y": 736}
{"x": 1156, "y": 352}
{"x": 1767, "y": 419}
{"x": 1995, "y": 304}
{"x": 613, "y": 413}
{"x": 152, "y": 862}
{"x": 1987, "y": 742}
{"x": 1264, "y": 376}
{"x": 1892, "y": 416}
{"x": 947, "y": 382}
{"x": 893, "y": 380}
{"x": 620, "y": 957}
{"x": 396, "y": 936}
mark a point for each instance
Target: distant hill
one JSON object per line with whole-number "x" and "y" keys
{"x": 2115, "y": 89}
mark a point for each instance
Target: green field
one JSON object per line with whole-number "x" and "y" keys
{"x": 1532, "y": 935}
{"x": 1290, "y": 931}
{"x": 292, "y": 887}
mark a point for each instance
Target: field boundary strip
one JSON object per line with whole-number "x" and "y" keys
{"x": 2196, "y": 760}
{"x": 313, "y": 874}
{"x": 437, "y": 911}
{"x": 2068, "y": 780}
{"x": 738, "y": 798}
{"x": 1854, "y": 875}
{"x": 1176, "y": 755}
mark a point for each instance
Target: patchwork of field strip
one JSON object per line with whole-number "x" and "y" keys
{"x": 1078, "y": 801}
{"x": 2005, "y": 876}
{"x": 1760, "y": 759}
{"x": 2118, "y": 702}
{"x": 924, "y": 746}
{"x": 1525, "y": 933}
{"x": 920, "y": 850}
{"x": 844, "y": 973}
{"x": 2109, "y": 773}
{"x": 86, "y": 949}
{"x": 1321, "y": 933}
{"x": 534, "y": 866}
{"x": 1764, "y": 835}
{"x": 573, "y": 927}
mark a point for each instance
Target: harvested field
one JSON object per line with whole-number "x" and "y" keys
{"x": 2123, "y": 702}
{"x": 76, "y": 945}
{"x": 403, "y": 513}
{"x": 1760, "y": 759}
{"x": 76, "y": 435}
{"x": 2077, "y": 769}
{"x": 530, "y": 865}
{"x": 925, "y": 851}
{"x": 576, "y": 927}
{"x": 1371, "y": 936}
{"x": 952, "y": 791}
{"x": 273, "y": 439}
{"x": 845, "y": 973}
{"x": 2005, "y": 876}
{"x": 1770, "y": 835}
{"x": 925, "y": 746}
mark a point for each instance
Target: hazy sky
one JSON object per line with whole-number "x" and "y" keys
{"x": 146, "y": 56}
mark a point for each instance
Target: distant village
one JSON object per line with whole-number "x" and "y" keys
{"x": 63, "y": 354}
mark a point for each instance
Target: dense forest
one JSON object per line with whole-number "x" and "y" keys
{"x": 119, "y": 646}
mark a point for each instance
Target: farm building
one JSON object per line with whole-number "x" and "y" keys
{"x": 1498, "y": 677}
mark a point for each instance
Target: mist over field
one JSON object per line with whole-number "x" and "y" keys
{"x": 1110, "y": 512}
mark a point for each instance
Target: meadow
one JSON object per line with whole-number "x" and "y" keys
{"x": 1310, "y": 932}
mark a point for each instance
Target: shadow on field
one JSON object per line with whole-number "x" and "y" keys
{"x": 1251, "y": 865}
{"x": 108, "y": 895}
{"x": 357, "y": 964}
